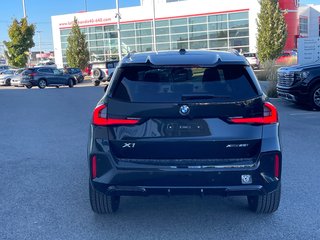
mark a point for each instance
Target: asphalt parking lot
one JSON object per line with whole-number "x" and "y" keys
{"x": 44, "y": 179}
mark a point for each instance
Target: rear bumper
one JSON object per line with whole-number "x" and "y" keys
{"x": 26, "y": 83}
{"x": 113, "y": 179}
{"x": 16, "y": 84}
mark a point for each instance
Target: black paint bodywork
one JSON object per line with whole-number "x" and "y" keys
{"x": 300, "y": 90}
{"x": 194, "y": 154}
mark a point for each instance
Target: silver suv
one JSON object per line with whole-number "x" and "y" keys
{"x": 102, "y": 71}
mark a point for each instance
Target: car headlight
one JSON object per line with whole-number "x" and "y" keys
{"x": 300, "y": 76}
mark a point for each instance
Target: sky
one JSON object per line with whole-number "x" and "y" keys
{"x": 39, "y": 12}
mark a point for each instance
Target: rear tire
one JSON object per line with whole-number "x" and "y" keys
{"x": 315, "y": 97}
{"x": 8, "y": 82}
{"x": 29, "y": 86}
{"x": 96, "y": 83}
{"x": 101, "y": 203}
{"x": 42, "y": 83}
{"x": 267, "y": 203}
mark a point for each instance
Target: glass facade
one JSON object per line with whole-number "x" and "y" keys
{"x": 216, "y": 31}
{"x": 303, "y": 25}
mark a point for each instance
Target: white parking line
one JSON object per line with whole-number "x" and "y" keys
{"x": 306, "y": 113}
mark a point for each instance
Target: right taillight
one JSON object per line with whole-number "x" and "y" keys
{"x": 270, "y": 115}
{"x": 32, "y": 74}
{"x": 100, "y": 118}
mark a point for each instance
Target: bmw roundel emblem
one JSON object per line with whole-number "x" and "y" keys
{"x": 184, "y": 110}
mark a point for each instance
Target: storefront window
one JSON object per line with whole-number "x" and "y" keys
{"x": 160, "y": 31}
{"x": 163, "y": 46}
{"x": 218, "y": 34}
{"x": 198, "y": 36}
{"x": 237, "y": 16}
{"x": 198, "y": 28}
{"x": 179, "y": 37}
{"x": 214, "y": 31}
{"x": 144, "y": 32}
{"x": 196, "y": 20}
{"x": 239, "y": 24}
{"x": 143, "y": 25}
{"x": 198, "y": 44}
{"x": 218, "y": 18}
{"x": 162, "y": 23}
{"x": 218, "y": 43}
{"x": 217, "y": 26}
{"x": 239, "y": 33}
{"x": 179, "y": 21}
{"x": 303, "y": 24}
{"x": 238, "y": 42}
{"x": 181, "y": 29}
{"x": 163, "y": 38}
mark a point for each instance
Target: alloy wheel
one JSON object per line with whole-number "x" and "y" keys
{"x": 316, "y": 97}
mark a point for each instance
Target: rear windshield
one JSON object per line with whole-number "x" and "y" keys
{"x": 179, "y": 84}
{"x": 27, "y": 71}
{"x": 249, "y": 54}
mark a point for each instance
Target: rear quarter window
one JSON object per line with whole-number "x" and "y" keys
{"x": 173, "y": 84}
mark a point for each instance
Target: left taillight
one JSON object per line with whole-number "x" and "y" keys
{"x": 100, "y": 118}
{"x": 270, "y": 116}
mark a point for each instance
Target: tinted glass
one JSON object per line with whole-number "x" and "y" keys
{"x": 249, "y": 54}
{"x": 19, "y": 71}
{"x": 28, "y": 71}
{"x": 44, "y": 70}
{"x": 179, "y": 84}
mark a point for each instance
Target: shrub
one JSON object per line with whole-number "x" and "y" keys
{"x": 271, "y": 76}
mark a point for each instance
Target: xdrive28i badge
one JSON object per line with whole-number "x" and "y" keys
{"x": 184, "y": 110}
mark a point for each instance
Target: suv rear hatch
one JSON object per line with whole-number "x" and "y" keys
{"x": 182, "y": 115}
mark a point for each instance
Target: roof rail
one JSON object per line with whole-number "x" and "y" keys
{"x": 182, "y": 51}
{"x": 130, "y": 54}
{"x": 234, "y": 51}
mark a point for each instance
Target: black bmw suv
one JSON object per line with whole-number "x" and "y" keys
{"x": 184, "y": 122}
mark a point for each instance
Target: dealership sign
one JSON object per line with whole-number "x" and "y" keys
{"x": 86, "y": 22}
{"x": 308, "y": 50}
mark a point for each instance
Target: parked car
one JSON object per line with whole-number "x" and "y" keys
{"x": 46, "y": 64}
{"x": 5, "y": 77}
{"x": 45, "y": 76}
{"x": 102, "y": 71}
{"x": 287, "y": 58}
{"x": 184, "y": 122}
{"x": 76, "y": 73}
{"x": 4, "y": 68}
{"x": 17, "y": 78}
{"x": 253, "y": 60}
{"x": 300, "y": 84}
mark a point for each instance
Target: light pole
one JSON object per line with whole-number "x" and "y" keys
{"x": 39, "y": 32}
{"x": 85, "y": 5}
{"x": 24, "y": 9}
{"x": 154, "y": 26}
{"x": 118, "y": 30}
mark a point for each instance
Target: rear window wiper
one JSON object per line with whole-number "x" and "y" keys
{"x": 199, "y": 97}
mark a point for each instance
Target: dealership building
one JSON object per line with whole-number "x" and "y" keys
{"x": 309, "y": 21}
{"x": 189, "y": 24}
